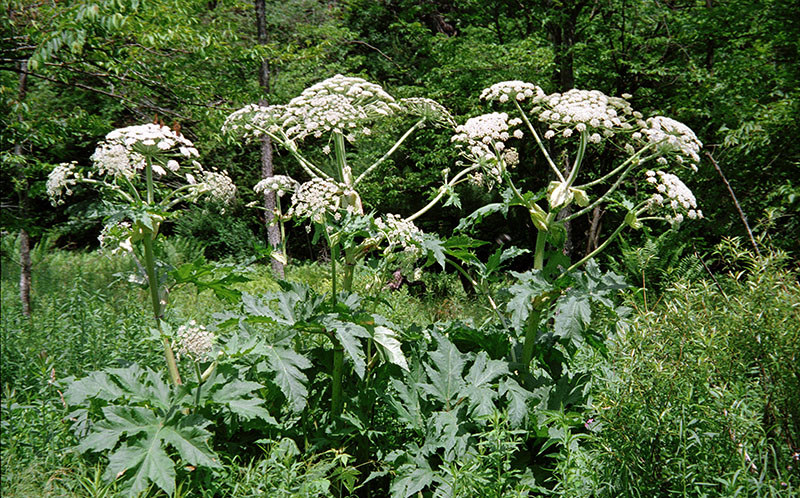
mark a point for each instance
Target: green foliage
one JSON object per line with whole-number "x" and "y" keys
{"x": 226, "y": 235}
{"x": 703, "y": 398}
{"x": 140, "y": 416}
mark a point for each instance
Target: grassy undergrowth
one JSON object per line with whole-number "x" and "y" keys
{"x": 699, "y": 395}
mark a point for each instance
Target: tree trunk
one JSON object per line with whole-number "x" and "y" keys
{"x": 267, "y": 169}
{"x": 24, "y": 237}
{"x": 25, "y": 272}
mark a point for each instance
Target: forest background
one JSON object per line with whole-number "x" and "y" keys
{"x": 72, "y": 71}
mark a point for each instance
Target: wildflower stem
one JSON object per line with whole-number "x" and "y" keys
{"x": 149, "y": 261}
{"x": 152, "y": 281}
{"x": 531, "y": 328}
{"x": 389, "y": 152}
{"x": 613, "y": 187}
{"x": 539, "y": 142}
{"x": 597, "y": 251}
{"x": 442, "y": 191}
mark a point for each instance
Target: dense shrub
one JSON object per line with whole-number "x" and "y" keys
{"x": 703, "y": 394}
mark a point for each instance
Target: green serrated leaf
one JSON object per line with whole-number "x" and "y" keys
{"x": 410, "y": 481}
{"x": 390, "y": 346}
{"x": 191, "y": 441}
{"x": 288, "y": 366}
{"x": 348, "y": 334}
{"x": 147, "y": 461}
{"x": 444, "y": 372}
{"x": 573, "y": 313}
{"x": 517, "y": 401}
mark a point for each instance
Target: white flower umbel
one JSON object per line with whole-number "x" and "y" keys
{"x": 280, "y": 184}
{"x": 674, "y": 137}
{"x": 672, "y": 195}
{"x": 314, "y": 199}
{"x": 483, "y": 137}
{"x": 400, "y": 232}
{"x": 218, "y": 185}
{"x": 125, "y": 150}
{"x": 60, "y": 180}
{"x": 511, "y": 90}
{"x": 341, "y": 104}
{"x": 431, "y": 110}
{"x": 253, "y": 121}
{"x": 194, "y": 341}
{"x": 580, "y": 110}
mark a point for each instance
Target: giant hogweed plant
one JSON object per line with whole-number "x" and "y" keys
{"x": 578, "y": 120}
{"x": 553, "y": 310}
{"x": 144, "y": 174}
{"x": 322, "y": 129}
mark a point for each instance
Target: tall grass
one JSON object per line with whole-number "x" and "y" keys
{"x": 702, "y": 397}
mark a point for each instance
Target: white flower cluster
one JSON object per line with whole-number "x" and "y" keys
{"x": 672, "y": 193}
{"x": 279, "y": 184}
{"x": 484, "y": 136}
{"x": 342, "y": 104}
{"x": 314, "y": 199}
{"x": 400, "y": 232}
{"x": 116, "y": 238}
{"x": 511, "y": 90}
{"x": 253, "y": 120}
{"x": 60, "y": 180}
{"x": 194, "y": 341}
{"x": 218, "y": 185}
{"x": 580, "y": 110}
{"x": 124, "y": 150}
{"x": 429, "y": 109}
{"x": 674, "y": 137}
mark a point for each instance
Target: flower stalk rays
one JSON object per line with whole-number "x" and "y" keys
{"x": 593, "y": 119}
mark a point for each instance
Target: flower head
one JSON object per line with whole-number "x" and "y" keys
{"x": 429, "y": 109}
{"x": 673, "y": 137}
{"x": 673, "y": 195}
{"x": 218, "y": 185}
{"x": 279, "y": 184}
{"x": 194, "y": 341}
{"x": 60, "y": 180}
{"x": 481, "y": 138}
{"x": 511, "y": 90}
{"x": 340, "y": 104}
{"x": 582, "y": 110}
{"x": 316, "y": 198}
{"x": 125, "y": 150}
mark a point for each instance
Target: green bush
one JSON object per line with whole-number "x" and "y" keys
{"x": 703, "y": 395}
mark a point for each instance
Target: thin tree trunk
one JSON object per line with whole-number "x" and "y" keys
{"x": 594, "y": 230}
{"x": 25, "y": 273}
{"x": 24, "y": 237}
{"x": 267, "y": 169}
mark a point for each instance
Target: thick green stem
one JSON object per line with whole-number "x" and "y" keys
{"x": 337, "y": 402}
{"x": 338, "y": 351}
{"x": 149, "y": 261}
{"x": 341, "y": 159}
{"x": 538, "y": 255}
{"x": 531, "y": 329}
{"x": 150, "y": 268}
